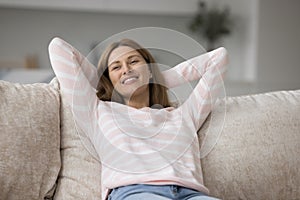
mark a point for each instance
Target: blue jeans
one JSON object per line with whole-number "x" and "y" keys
{"x": 156, "y": 192}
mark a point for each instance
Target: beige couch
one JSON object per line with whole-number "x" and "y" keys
{"x": 256, "y": 155}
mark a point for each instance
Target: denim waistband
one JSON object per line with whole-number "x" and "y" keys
{"x": 174, "y": 192}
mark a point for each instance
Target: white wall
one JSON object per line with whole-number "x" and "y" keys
{"x": 242, "y": 42}
{"x": 278, "y": 56}
{"x": 258, "y": 46}
{"x": 175, "y": 7}
{"x": 26, "y": 32}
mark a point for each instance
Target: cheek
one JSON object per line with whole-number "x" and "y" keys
{"x": 146, "y": 72}
{"x": 114, "y": 78}
{"x": 142, "y": 69}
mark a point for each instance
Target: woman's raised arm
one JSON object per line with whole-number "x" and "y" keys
{"x": 187, "y": 71}
{"x": 211, "y": 68}
{"x": 76, "y": 78}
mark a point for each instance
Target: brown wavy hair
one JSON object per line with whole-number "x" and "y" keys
{"x": 105, "y": 90}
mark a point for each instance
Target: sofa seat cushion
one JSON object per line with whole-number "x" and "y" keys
{"x": 29, "y": 140}
{"x": 257, "y": 152}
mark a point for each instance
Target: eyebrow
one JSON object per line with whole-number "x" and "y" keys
{"x": 134, "y": 55}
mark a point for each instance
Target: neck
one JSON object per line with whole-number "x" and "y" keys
{"x": 138, "y": 100}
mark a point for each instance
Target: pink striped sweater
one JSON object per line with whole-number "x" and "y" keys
{"x": 146, "y": 146}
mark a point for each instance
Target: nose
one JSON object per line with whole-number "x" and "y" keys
{"x": 126, "y": 69}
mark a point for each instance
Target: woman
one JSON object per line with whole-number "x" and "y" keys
{"x": 145, "y": 152}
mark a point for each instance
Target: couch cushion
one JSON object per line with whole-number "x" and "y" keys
{"x": 29, "y": 140}
{"x": 257, "y": 153}
{"x": 80, "y": 176}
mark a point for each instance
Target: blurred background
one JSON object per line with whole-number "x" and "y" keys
{"x": 261, "y": 36}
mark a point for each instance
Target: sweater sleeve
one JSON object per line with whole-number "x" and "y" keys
{"x": 211, "y": 68}
{"x": 77, "y": 81}
{"x": 186, "y": 71}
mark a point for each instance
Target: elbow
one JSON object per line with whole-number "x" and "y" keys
{"x": 222, "y": 56}
{"x": 54, "y": 43}
{"x": 219, "y": 58}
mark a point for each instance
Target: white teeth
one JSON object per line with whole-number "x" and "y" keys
{"x": 129, "y": 79}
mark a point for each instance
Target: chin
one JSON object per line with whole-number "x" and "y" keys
{"x": 134, "y": 91}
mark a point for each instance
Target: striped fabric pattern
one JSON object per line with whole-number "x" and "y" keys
{"x": 148, "y": 146}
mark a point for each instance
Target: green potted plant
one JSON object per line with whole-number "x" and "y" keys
{"x": 211, "y": 24}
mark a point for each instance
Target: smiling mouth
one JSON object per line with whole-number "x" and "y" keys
{"x": 129, "y": 80}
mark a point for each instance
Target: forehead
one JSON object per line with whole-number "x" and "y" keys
{"x": 122, "y": 52}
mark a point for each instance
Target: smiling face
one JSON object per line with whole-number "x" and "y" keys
{"x": 125, "y": 66}
{"x": 128, "y": 72}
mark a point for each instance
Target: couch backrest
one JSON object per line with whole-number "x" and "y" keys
{"x": 257, "y": 151}
{"x": 29, "y": 140}
{"x": 80, "y": 176}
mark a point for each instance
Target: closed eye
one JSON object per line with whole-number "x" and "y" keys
{"x": 116, "y": 67}
{"x": 134, "y": 61}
